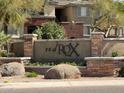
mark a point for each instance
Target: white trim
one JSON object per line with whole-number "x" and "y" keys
{"x": 82, "y": 10}
{"x": 86, "y": 25}
{"x": 104, "y": 58}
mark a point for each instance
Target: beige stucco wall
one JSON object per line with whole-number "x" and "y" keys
{"x": 69, "y": 12}
{"x": 16, "y": 31}
{"x": 68, "y": 49}
{"x": 18, "y": 48}
{"x": 61, "y": 49}
{"x": 49, "y": 10}
{"x": 85, "y": 19}
{"x": 113, "y": 46}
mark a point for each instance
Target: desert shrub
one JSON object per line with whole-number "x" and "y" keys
{"x": 50, "y": 30}
{"x": 10, "y": 54}
{"x": 6, "y": 81}
{"x": 4, "y": 53}
{"x": 4, "y": 39}
{"x": 63, "y": 71}
{"x": 31, "y": 74}
{"x": 53, "y": 63}
{"x": 71, "y": 63}
{"x": 114, "y": 54}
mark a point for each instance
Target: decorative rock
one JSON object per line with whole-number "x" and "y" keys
{"x": 0, "y": 75}
{"x": 0, "y": 72}
{"x": 63, "y": 71}
{"x": 12, "y": 69}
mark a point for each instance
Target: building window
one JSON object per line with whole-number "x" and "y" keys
{"x": 31, "y": 29}
{"x": 121, "y": 31}
{"x": 82, "y": 11}
{"x": 12, "y": 31}
{"x": 86, "y": 30}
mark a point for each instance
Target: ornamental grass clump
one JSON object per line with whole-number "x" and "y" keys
{"x": 31, "y": 74}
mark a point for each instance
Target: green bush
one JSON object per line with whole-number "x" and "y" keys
{"x": 114, "y": 54}
{"x": 50, "y": 30}
{"x": 53, "y": 63}
{"x": 121, "y": 72}
{"x": 71, "y": 63}
{"x": 4, "y": 39}
{"x": 31, "y": 74}
{"x": 4, "y": 53}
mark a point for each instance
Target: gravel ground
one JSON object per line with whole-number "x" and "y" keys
{"x": 20, "y": 79}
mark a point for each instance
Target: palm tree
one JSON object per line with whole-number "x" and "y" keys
{"x": 15, "y": 12}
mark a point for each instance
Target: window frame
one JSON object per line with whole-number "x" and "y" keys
{"x": 86, "y": 25}
{"x": 79, "y": 11}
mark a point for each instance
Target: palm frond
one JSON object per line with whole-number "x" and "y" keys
{"x": 14, "y": 12}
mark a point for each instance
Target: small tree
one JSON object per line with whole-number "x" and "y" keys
{"x": 15, "y": 12}
{"x": 50, "y": 30}
{"x": 4, "y": 39}
{"x": 111, "y": 13}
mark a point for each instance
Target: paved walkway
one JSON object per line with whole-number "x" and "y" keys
{"x": 63, "y": 83}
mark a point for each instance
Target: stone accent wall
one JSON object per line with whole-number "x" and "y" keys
{"x": 97, "y": 43}
{"x": 103, "y": 66}
{"x": 17, "y": 48}
{"x": 96, "y": 67}
{"x": 29, "y": 44}
{"x": 77, "y": 49}
{"x": 36, "y": 22}
{"x": 61, "y": 50}
{"x": 113, "y": 45}
{"x": 73, "y": 30}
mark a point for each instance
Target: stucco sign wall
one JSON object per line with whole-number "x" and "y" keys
{"x": 61, "y": 49}
{"x": 68, "y": 50}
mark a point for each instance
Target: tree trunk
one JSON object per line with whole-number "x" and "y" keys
{"x": 5, "y": 28}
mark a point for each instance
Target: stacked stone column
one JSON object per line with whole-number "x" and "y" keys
{"x": 28, "y": 44}
{"x": 97, "y": 43}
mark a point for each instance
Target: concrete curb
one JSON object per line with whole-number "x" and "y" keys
{"x": 66, "y": 83}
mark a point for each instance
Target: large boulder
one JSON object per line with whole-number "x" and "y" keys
{"x": 63, "y": 71}
{"x": 12, "y": 69}
{"x": 0, "y": 72}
